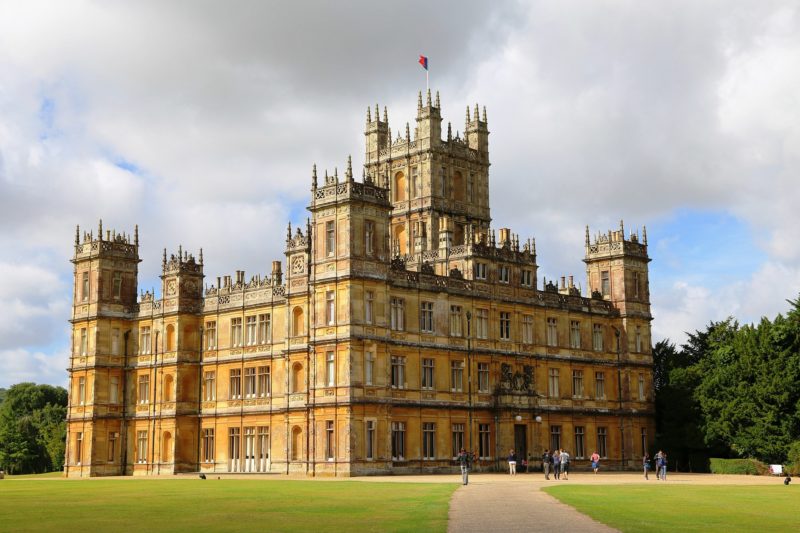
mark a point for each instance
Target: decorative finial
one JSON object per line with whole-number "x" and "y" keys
{"x": 77, "y": 235}
{"x": 314, "y": 175}
{"x": 369, "y": 115}
{"x": 136, "y": 235}
{"x": 477, "y": 117}
{"x": 622, "y": 228}
{"x": 336, "y": 174}
{"x": 428, "y": 100}
{"x": 100, "y": 230}
{"x": 180, "y": 253}
{"x": 201, "y": 257}
{"x": 363, "y": 175}
{"x": 466, "y": 124}
{"x": 438, "y": 105}
{"x": 164, "y": 260}
{"x": 449, "y": 132}
{"x": 587, "y": 234}
{"x": 385, "y": 115}
{"x": 534, "y": 246}
{"x": 408, "y": 132}
{"x": 349, "y": 172}
{"x": 644, "y": 235}
{"x": 289, "y": 231}
{"x": 419, "y": 101}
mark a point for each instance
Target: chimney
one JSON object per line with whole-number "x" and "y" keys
{"x": 277, "y": 277}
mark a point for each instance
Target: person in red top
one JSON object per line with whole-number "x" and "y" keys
{"x": 595, "y": 462}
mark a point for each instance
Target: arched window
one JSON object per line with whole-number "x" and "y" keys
{"x": 169, "y": 393}
{"x": 399, "y": 187}
{"x": 170, "y": 338}
{"x": 458, "y": 187}
{"x": 166, "y": 447}
{"x": 400, "y": 238}
{"x": 298, "y": 381}
{"x": 298, "y": 324}
{"x": 297, "y": 443}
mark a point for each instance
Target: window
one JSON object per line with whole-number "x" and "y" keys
{"x": 636, "y": 291}
{"x": 458, "y": 439}
{"x": 235, "y": 390}
{"x": 398, "y": 441}
{"x": 580, "y": 447}
{"x": 398, "y": 372}
{"x": 116, "y": 286}
{"x": 597, "y": 337}
{"x": 330, "y": 239}
{"x": 428, "y": 440}
{"x": 236, "y": 332}
{"x": 263, "y": 448}
{"x": 602, "y": 449}
{"x": 457, "y": 376}
{"x": 553, "y": 382}
{"x": 526, "y": 279}
{"x": 484, "y": 450}
{"x": 115, "y": 341}
{"x": 250, "y": 382}
{"x": 480, "y": 270}
{"x": 415, "y": 188}
{"x": 427, "y": 373}
{"x": 642, "y": 396}
{"x": 264, "y": 328}
{"x": 505, "y": 325}
{"x": 503, "y": 274}
{"x": 555, "y": 437}
{"x": 144, "y": 344}
{"x": 234, "y": 450}
{"x": 605, "y": 284}
{"x": 208, "y": 445}
{"x": 210, "y": 386}
{"x": 251, "y": 338}
{"x": 144, "y": 388}
{"x": 369, "y": 300}
{"x": 552, "y": 332}
{"x": 369, "y": 368}
{"x": 638, "y": 338}
{"x": 442, "y": 183}
{"x": 397, "y": 317}
{"x": 83, "y": 345}
{"x": 426, "y": 317}
{"x": 81, "y": 390}
{"x": 369, "y": 237}
{"x": 112, "y": 446}
{"x": 577, "y": 383}
{"x": 483, "y": 377}
{"x": 455, "y": 321}
{"x": 113, "y": 389}
{"x": 469, "y": 187}
{"x": 574, "y": 334}
{"x": 527, "y": 329}
{"x": 211, "y": 335}
{"x": 330, "y": 369}
{"x": 141, "y": 446}
{"x": 264, "y": 382}
{"x": 599, "y": 385}
{"x": 369, "y": 435}
{"x": 644, "y": 441}
{"x": 330, "y": 308}
{"x": 85, "y": 287}
{"x": 481, "y": 323}
{"x": 329, "y": 440}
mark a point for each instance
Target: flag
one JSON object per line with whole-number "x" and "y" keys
{"x": 424, "y": 62}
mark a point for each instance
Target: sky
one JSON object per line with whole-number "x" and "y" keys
{"x": 200, "y": 121}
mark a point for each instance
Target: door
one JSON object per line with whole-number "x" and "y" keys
{"x": 520, "y": 443}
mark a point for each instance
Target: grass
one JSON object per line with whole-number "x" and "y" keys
{"x": 664, "y": 507}
{"x": 222, "y": 505}
{"x": 48, "y": 475}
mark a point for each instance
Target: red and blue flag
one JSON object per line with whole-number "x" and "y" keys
{"x": 424, "y": 62}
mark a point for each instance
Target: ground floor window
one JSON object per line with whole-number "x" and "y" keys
{"x": 580, "y": 448}
{"x": 428, "y": 440}
{"x": 141, "y": 446}
{"x": 458, "y": 439}
{"x": 644, "y": 441}
{"x": 484, "y": 450}
{"x": 555, "y": 437}
{"x": 370, "y": 439}
{"x": 398, "y": 441}
{"x": 263, "y": 449}
{"x": 602, "y": 436}
{"x": 329, "y": 440}
{"x": 208, "y": 445}
{"x": 234, "y": 450}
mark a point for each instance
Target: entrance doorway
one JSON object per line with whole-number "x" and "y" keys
{"x": 521, "y": 442}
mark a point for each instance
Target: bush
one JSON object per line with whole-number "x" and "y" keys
{"x": 751, "y": 467}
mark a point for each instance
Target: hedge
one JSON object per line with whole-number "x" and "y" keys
{"x": 750, "y": 467}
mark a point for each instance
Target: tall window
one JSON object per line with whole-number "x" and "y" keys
{"x": 369, "y": 237}
{"x": 251, "y": 330}
{"x": 480, "y": 270}
{"x": 505, "y": 325}
{"x": 426, "y": 317}
{"x": 236, "y": 332}
{"x": 264, "y": 328}
{"x": 574, "y": 334}
{"x": 211, "y": 335}
{"x": 329, "y": 442}
{"x": 263, "y": 448}
{"x": 330, "y": 308}
{"x": 600, "y": 385}
{"x": 527, "y": 329}
{"x": 398, "y": 372}
{"x": 636, "y": 291}
{"x": 234, "y": 450}
{"x": 208, "y": 445}
{"x": 553, "y": 382}
{"x": 642, "y": 395}
{"x": 526, "y": 279}
{"x": 457, "y": 376}
{"x": 483, "y": 377}
{"x": 552, "y": 332}
{"x": 415, "y": 188}
{"x": 235, "y": 390}
{"x": 210, "y": 386}
{"x": 78, "y": 448}
{"x": 469, "y": 187}
{"x": 482, "y": 323}
{"x": 85, "y": 286}
{"x": 112, "y": 446}
{"x": 330, "y": 239}
{"x": 397, "y": 318}
{"x": 602, "y": 449}
{"x": 644, "y": 441}
{"x": 458, "y": 439}
{"x": 116, "y": 285}
{"x": 398, "y": 441}
{"x": 144, "y": 388}
{"x": 115, "y": 341}
{"x": 580, "y": 447}
{"x": 141, "y": 446}
{"x": 369, "y": 368}
{"x": 144, "y": 340}
{"x": 484, "y": 450}
{"x": 369, "y": 436}
{"x": 113, "y": 389}
{"x": 577, "y": 383}
{"x": 555, "y": 437}
{"x": 427, "y": 373}
{"x": 442, "y": 183}
{"x": 428, "y": 440}
{"x": 455, "y": 321}
{"x": 81, "y": 390}
{"x": 597, "y": 337}
{"x": 264, "y": 382}
{"x": 503, "y": 274}
{"x": 250, "y": 382}
{"x": 330, "y": 369}
{"x": 369, "y": 301}
{"x": 638, "y": 337}
{"x": 605, "y": 284}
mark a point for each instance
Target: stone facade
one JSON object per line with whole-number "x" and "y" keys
{"x": 402, "y": 329}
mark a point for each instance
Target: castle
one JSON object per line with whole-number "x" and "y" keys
{"x": 402, "y": 329}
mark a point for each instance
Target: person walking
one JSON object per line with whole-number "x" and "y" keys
{"x": 512, "y": 463}
{"x": 464, "y": 460}
{"x": 565, "y": 464}
{"x": 659, "y": 455}
{"x": 557, "y": 464}
{"x": 595, "y": 458}
{"x": 663, "y": 466}
{"x": 646, "y": 464}
{"x": 546, "y": 460}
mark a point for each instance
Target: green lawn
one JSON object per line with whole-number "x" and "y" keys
{"x": 665, "y": 507}
{"x": 222, "y": 505}
{"x": 37, "y": 476}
